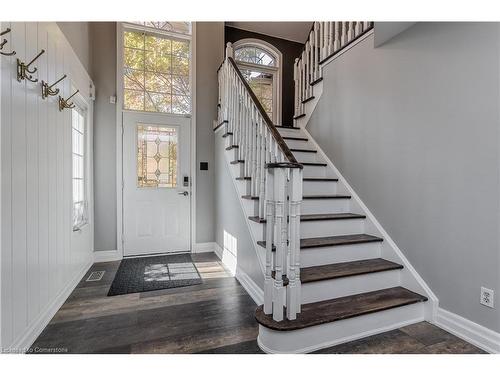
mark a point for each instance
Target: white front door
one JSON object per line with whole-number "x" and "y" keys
{"x": 156, "y": 183}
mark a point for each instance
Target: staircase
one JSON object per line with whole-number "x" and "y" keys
{"x": 332, "y": 274}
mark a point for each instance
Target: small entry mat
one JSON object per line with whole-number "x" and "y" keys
{"x": 152, "y": 273}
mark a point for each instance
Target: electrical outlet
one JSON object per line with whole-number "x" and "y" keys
{"x": 487, "y": 297}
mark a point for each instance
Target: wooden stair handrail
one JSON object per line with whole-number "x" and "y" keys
{"x": 272, "y": 128}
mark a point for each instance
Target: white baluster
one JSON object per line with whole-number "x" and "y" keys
{"x": 325, "y": 43}
{"x": 297, "y": 84}
{"x": 352, "y": 30}
{"x": 294, "y": 285}
{"x": 345, "y": 33}
{"x": 331, "y": 38}
{"x": 338, "y": 33}
{"x": 269, "y": 282}
{"x": 262, "y": 183}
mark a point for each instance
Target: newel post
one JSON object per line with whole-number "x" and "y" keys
{"x": 229, "y": 50}
{"x": 294, "y": 286}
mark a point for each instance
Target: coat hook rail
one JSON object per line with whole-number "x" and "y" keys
{"x": 48, "y": 91}
{"x": 24, "y": 71}
{"x": 4, "y": 42}
{"x": 64, "y": 103}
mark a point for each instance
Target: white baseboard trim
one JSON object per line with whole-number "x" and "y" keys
{"x": 218, "y": 250}
{"x": 34, "y": 330}
{"x": 230, "y": 263}
{"x": 107, "y": 256}
{"x": 467, "y": 330}
{"x": 252, "y": 289}
{"x": 227, "y": 258}
{"x": 204, "y": 247}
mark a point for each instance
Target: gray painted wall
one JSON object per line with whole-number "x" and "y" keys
{"x": 230, "y": 217}
{"x": 209, "y": 54}
{"x": 103, "y": 37}
{"x": 414, "y": 127}
{"x": 78, "y": 35}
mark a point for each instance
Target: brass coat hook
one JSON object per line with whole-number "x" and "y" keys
{"x": 24, "y": 71}
{"x": 47, "y": 90}
{"x": 4, "y": 42}
{"x": 64, "y": 103}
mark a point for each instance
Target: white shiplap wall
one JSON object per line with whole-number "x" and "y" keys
{"x": 42, "y": 259}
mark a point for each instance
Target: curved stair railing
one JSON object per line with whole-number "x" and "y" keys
{"x": 325, "y": 40}
{"x": 275, "y": 180}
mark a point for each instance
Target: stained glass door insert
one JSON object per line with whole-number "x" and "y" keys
{"x": 156, "y": 156}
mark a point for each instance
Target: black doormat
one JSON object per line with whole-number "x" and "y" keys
{"x": 152, "y": 273}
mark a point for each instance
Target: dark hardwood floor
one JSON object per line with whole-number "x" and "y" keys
{"x": 216, "y": 316}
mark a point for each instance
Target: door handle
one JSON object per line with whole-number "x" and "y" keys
{"x": 185, "y": 193}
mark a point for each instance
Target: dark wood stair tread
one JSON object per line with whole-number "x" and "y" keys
{"x": 296, "y": 139}
{"x": 314, "y": 164}
{"x": 320, "y": 179}
{"x": 299, "y": 116}
{"x": 237, "y": 161}
{"x": 314, "y": 217}
{"x": 336, "y": 309}
{"x": 308, "y": 99}
{"x": 287, "y": 127}
{"x": 226, "y": 134}
{"x": 327, "y": 196}
{"x": 243, "y": 178}
{"x": 311, "y": 179}
{"x": 316, "y": 81}
{"x": 231, "y": 147}
{"x": 344, "y": 269}
{"x": 346, "y": 239}
{"x": 302, "y": 150}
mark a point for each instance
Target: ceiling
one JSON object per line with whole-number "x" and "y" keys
{"x": 295, "y": 31}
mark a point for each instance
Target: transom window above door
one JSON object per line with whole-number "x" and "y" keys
{"x": 156, "y": 67}
{"x": 260, "y": 64}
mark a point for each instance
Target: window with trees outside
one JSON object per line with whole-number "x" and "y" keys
{"x": 260, "y": 65}
{"x": 78, "y": 130}
{"x": 156, "y": 59}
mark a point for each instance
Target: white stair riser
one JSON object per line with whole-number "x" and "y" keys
{"x": 314, "y": 171}
{"x": 306, "y": 157}
{"x": 321, "y": 336}
{"x": 319, "y": 256}
{"x": 243, "y": 186}
{"x": 233, "y": 154}
{"x": 345, "y": 286}
{"x": 319, "y": 187}
{"x": 290, "y": 132}
{"x": 323, "y": 228}
{"x": 238, "y": 169}
{"x": 251, "y": 206}
{"x": 298, "y": 144}
{"x": 324, "y": 206}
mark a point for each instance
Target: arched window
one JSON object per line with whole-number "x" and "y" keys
{"x": 260, "y": 64}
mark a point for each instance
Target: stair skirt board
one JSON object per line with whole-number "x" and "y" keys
{"x": 389, "y": 250}
{"x": 321, "y": 336}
